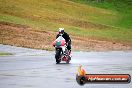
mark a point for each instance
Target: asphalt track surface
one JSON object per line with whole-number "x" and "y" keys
{"x": 29, "y": 68}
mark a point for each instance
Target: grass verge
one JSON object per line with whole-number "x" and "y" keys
{"x": 5, "y": 54}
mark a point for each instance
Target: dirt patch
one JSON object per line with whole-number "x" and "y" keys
{"x": 24, "y": 36}
{"x": 20, "y": 35}
{"x": 87, "y": 44}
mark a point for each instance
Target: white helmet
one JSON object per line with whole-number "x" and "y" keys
{"x": 61, "y": 30}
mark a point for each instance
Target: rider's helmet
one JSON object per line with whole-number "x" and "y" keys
{"x": 61, "y": 30}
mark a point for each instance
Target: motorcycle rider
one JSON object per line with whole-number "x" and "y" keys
{"x": 66, "y": 37}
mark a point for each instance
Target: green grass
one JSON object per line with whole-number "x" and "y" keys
{"x": 50, "y": 15}
{"x": 51, "y": 10}
{"x": 122, "y": 7}
{"x": 5, "y": 54}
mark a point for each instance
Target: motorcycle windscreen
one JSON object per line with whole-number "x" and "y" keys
{"x": 60, "y": 41}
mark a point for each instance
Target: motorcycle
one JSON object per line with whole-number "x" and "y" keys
{"x": 61, "y": 51}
